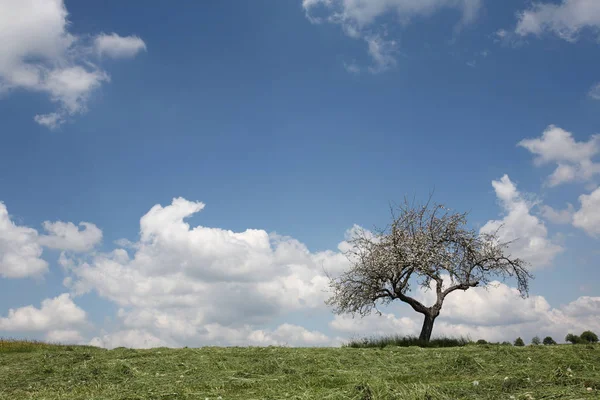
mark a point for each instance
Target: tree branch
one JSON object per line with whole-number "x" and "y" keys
{"x": 460, "y": 286}
{"x": 415, "y": 304}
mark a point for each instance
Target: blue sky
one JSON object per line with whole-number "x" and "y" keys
{"x": 296, "y": 118}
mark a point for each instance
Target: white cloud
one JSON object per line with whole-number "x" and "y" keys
{"x": 180, "y": 279}
{"x": 116, "y": 46}
{"x": 588, "y": 216}
{"x": 594, "y": 92}
{"x": 59, "y": 313}
{"x": 358, "y": 19}
{"x": 50, "y": 120}
{"x": 288, "y": 334}
{"x": 21, "y": 247}
{"x": 573, "y": 159}
{"x": 67, "y": 236}
{"x": 558, "y": 216}
{"x": 219, "y": 335}
{"x": 285, "y": 334}
{"x": 495, "y": 305}
{"x": 68, "y": 336}
{"x": 310, "y": 5}
{"x": 362, "y": 13}
{"x": 528, "y": 233}
{"x": 565, "y": 19}
{"x": 71, "y": 86}
{"x": 522, "y": 317}
{"x": 382, "y": 52}
{"x": 40, "y": 55}
{"x": 377, "y": 325}
{"x": 20, "y": 252}
{"x": 129, "y": 338}
{"x": 32, "y": 27}
{"x": 554, "y": 323}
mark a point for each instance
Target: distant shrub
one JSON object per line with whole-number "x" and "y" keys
{"x": 505, "y": 343}
{"x": 406, "y": 341}
{"x": 589, "y": 337}
{"x": 536, "y": 341}
{"x": 519, "y": 342}
{"x": 548, "y": 341}
{"x": 482, "y": 341}
{"x": 573, "y": 339}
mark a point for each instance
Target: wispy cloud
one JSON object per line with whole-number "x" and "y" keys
{"x": 43, "y": 56}
{"x": 565, "y": 19}
{"x": 358, "y": 20}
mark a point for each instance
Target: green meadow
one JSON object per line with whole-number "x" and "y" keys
{"x": 50, "y": 372}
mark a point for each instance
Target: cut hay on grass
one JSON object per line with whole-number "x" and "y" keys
{"x": 471, "y": 372}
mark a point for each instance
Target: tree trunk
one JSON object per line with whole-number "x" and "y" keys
{"x": 427, "y": 328}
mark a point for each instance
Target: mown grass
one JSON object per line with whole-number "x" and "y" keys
{"x": 407, "y": 341}
{"x": 48, "y": 372}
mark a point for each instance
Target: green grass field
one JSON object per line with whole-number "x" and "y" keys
{"x": 45, "y": 372}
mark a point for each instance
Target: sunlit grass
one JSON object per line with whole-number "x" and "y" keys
{"x": 20, "y": 346}
{"x": 53, "y": 372}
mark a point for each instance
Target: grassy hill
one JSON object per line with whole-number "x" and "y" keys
{"x": 45, "y": 372}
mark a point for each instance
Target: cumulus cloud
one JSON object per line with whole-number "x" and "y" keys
{"x": 219, "y": 335}
{"x": 528, "y": 233}
{"x": 358, "y": 19}
{"x": 377, "y": 325}
{"x": 574, "y": 159}
{"x": 495, "y": 305}
{"x": 64, "y": 336}
{"x": 565, "y": 19}
{"x": 180, "y": 281}
{"x": 50, "y": 120}
{"x": 20, "y": 252}
{"x": 39, "y": 54}
{"x": 588, "y": 216}
{"x": 494, "y": 313}
{"x": 555, "y": 322}
{"x": 57, "y": 314}
{"x": 116, "y": 46}
{"x": 575, "y": 163}
{"x": 68, "y": 236}
{"x": 128, "y": 338}
{"x": 558, "y": 216}
{"x": 21, "y": 247}
{"x": 285, "y": 334}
